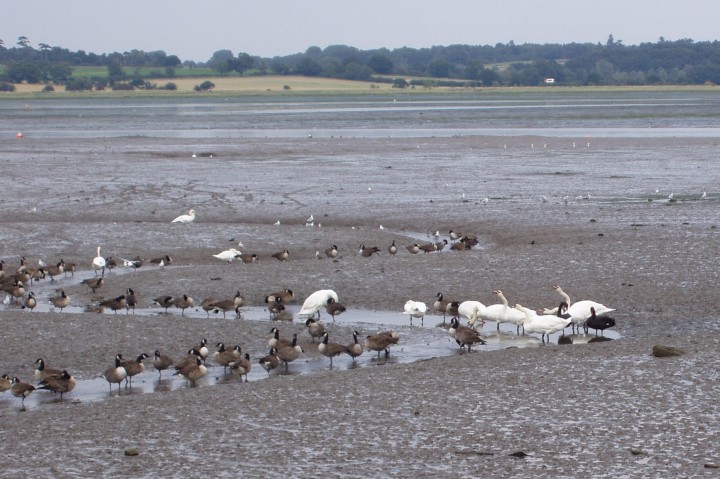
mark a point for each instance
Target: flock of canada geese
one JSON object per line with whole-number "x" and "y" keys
{"x": 585, "y": 314}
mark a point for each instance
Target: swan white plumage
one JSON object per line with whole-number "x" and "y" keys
{"x": 98, "y": 263}
{"x": 502, "y": 313}
{"x": 545, "y": 324}
{"x": 416, "y": 309}
{"x": 188, "y": 218}
{"x": 471, "y": 311}
{"x": 228, "y": 255}
{"x": 579, "y": 311}
{"x": 317, "y": 300}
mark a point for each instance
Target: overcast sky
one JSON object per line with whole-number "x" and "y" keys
{"x": 194, "y": 29}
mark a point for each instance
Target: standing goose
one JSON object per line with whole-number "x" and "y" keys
{"x": 503, "y": 313}
{"x": 59, "y": 384}
{"x": 161, "y": 362}
{"x": 416, "y": 309}
{"x": 68, "y": 268}
{"x": 115, "y": 374}
{"x": 207, "y": 305}
{"x": 30, "y": 301}
{"x": 184, "y": 219}
{"x": 290, "y": 353}
{"x": 270, "y": 362}
{"x": 441, "y": 305}
{"x": 286, "y": 295}
{"x": 5, "y": 383}
{"x": 282, "y": 255}
{"x": 43, "y": 372}
{"x": 224, "y": 305}
{"x": 190, "y": 358}
{"x": 133, "y": 367}
{"x": 20, "y": 389}
{"x": 55, "y": 270}
{"x": 315, "y": 301}
{"x": 274, "y": 305}
{"x": 330, "y": 349}
{"x": 98, "y": 263}
{"x": 392, "y": 249}
{"x": 599, "y": 323}
{"x": 61, "y": 300}
{"x": 192, "y": 372}
{"x": 164, "y": 302}
{"x": 275, "y": 341}
{"x": 94, "y": 283}
{"x": 314, "y": 328}
{"x": 203, "y": 350}
{"x": 131, "y": 300}
{"x": 355, "y": 349}
{"x": 241, "y": 366}
{"x": 382, "y": 341}
{"x": 225, "y": 357}
{"x": 464, "y": 335}
{"x": 332, "y": 251}
{"x": 333, "y": 308}
{"x": 239, "y": 299}
{"x": 184, "y": 302}
{"x": 114, "y": 304}
{"x": 110, "y": 264}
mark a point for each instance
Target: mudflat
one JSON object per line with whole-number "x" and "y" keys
{"x": 593, "y": 216}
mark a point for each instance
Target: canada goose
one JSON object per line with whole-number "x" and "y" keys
{"x": 224, "y": 357}
{"x": 228, "y": 255}
{"x": 119, "y": 302}
{"x": 413, "y": 248}
{"x": 463, "y": 335}
{"x": 600, "y": 323}
{"x": 290, "y": 353}
{"x": 454, "y": 235}
{"x": 275, "y": 341}
{"x": 382, "y": 341}
{"x": 98, "y": 263}
{"x": 59, "y": 384}
{"x": 459, "y": 246}
{"x": 5, "y": 383}
{"x": 333, "y": 308}
{"x": 428, "y": 247}
{"x": 249, "y": 258}
{"x": 20, "y": 389}
{"x": 207, "y": 305}
{"x": 270, "y": 362}
{"x": 314, "y": 328}
{"x": 35, "y": 274}
{"x": 161, "y": 362}
{"x": 110, "y": 263}
{"x": 286, "y": 295}
{"x": 241, "y": 366}
{"x": 56, "y": 270}
{"x": 416, "y": 309}
{"x": 188, "y": 359}
{"x": 163, "y": 260}
{"x": 68, "y": 268}
{"x": 183, "y": 302}
{"x": 192, "y": 372}
{"x": 284, "y": 315}
{"x": 15, "y": 290}
{"x": 329, "y": 349}
{"x": 61, "y": 301}
{"x": 355, "y": 349}
{"x": 282, "y": 255}
{"x": 274, "y": 305}
{"x": 43, "y": 372}
{"x": 94, "y": 283}
{"x": 203, "y": 349}
{"x": 224, "y": 305}
{"x": 470, "y": 241}
{"x": 133, "y": 367}
{"x": 392, "y": 249}
{"x": 115, "y": 374}
{"x": 366, "y": 252}
{"x": 239, "y": 299}
{"x": 452, "y": 309}
{"x": 130, "y": 300}
{"x": 332, "y": 251}
{"x": 441, "y": 305}
{"x": 164, "y": 302}
{"x": 315, "y": 301}
{"x": 184, "y": 219}
{"x": 440, "y": 245}
{"x": 30, "y": 301}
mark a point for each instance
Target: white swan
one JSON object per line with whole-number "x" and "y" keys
{"x": 579, "y": 311}
{"x": 188, "y": 218}
{"x": 317, "y": 300}
{"x": 545, "y": 324}
{"x": 98, "y": 263}
{"x": 228, "y": 255}
{"x": 502, "y": 313}
{"x": 472, "y": 312}
{"x": 416, "y": 309}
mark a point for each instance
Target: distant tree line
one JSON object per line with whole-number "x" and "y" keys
{"x": 611, "y": 63}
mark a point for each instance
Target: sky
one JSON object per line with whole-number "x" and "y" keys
{"x": 195, "y": 29}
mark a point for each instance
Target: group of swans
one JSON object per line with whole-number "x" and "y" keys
{"x": 545, "y": 322}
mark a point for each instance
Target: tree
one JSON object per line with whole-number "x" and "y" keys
{"x": 439, "y": 69}
{"x": 219, "y": 57}
{"x": 308, "y": 67}
{"x": 400, "y": 83}
{"x": 115, "y": 71}
{"x": 380, "y": 64}
{"x": 356, "y": 71}
{"x": 205, "y": 86}
{"x": 28, "y": 72}
{"x": 23, "y": 41}
{"x": 243, "y": 63}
